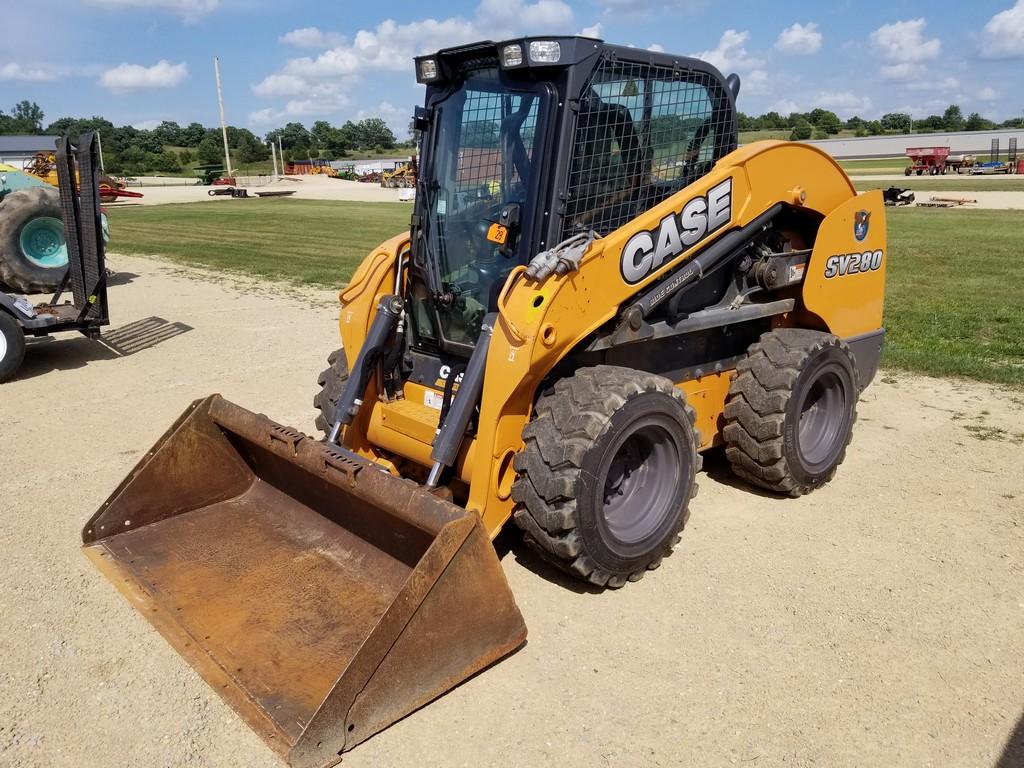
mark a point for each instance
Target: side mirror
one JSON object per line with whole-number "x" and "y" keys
{"x": 421, "y": 118}
{"x": 732, "y": 82}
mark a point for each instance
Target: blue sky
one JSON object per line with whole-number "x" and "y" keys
{"x": 142, "y": 61}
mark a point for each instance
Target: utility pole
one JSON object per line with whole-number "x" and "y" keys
{"x": 273, "y": 157}
{"x": 99, "y": 145}
{"x": 223, "y": 124}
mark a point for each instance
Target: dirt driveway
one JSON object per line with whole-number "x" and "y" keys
{"x": 879, "y": 621}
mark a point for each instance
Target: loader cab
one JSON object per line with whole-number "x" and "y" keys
{"x": 527, "y": 142}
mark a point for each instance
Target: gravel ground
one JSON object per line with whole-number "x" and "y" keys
{"x": 304, "y": 187}
{"x": 879, "y": 621}
{"x": 322, "y": 188}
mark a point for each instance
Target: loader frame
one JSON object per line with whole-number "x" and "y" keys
{"x": 575, "y": 318}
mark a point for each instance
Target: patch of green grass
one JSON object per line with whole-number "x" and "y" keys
{"x": 877, "y": 165}
{"x": 748, "y": 137}
{"x": 952, "y": 183}
{"x": 954, "y": 303}
{"x": 954, "y": 298}
{"x": 315, "y": 242}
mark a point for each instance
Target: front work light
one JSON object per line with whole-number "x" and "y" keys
{"x": 545, "y": 51}
{"x": 428, "y": 69}
{"x": 512, "y": 55}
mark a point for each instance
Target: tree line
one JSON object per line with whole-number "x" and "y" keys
{"x": 172, "y": 148}
{"x": 822, "y": 123}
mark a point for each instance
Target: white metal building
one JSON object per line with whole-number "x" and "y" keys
{"x": 961, "y": 142}
{"x": 15, "y": 150}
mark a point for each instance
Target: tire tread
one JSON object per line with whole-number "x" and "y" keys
{"x": 567, "y": 420}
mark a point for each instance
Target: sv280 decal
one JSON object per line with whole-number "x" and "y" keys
{"x": 853, "y": 263}
{"x": 646, "y": 251}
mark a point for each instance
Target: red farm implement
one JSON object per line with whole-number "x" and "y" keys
{"x": 930, "y": 160}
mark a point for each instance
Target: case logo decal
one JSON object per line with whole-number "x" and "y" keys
{"x": 647, "y": 251}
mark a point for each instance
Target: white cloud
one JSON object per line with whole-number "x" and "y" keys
{"x": 545, "y": 16}
{"x": 391, "y": 46}
{"x": 298, "y": 109}
{"x": 730, "y": 55}
{"x": 1004, "y": 34}
{"x": 844, "y": 103}
{"x": 311, "y": 37}
{"x": 904, "y": 41}
{"x": 279, "y": 85}
{"x": 643, "y": 6}
{"x": 14, "y": 71}
{"x": 397, "y": 118}
{"x": 147, "y": 125}
{"x": 388, "y": 46}
{"x": 265, "y": 116}
{"x": 903, "y": 72}
{"x": 945, "y": 84}
{"x": 988, "y": 94}
{"x": 593, "y": 31}
{"x": 905, "y": 51}
{"x": 135, "y": 77}
{"x": 654, "y": 47}
{"x": 756, "y": 82}
{"x": 786, "y": 107}
{"x": 189, "y": 10}
{"x": 799, "y": 39}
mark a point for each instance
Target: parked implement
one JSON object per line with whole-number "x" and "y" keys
{"x": 897, "y": 196}
{"x": 85, "y": 272}
{"x": 927, "y": 160}
{"x": 597, "y": 286}
{"x": 33, "y": 254}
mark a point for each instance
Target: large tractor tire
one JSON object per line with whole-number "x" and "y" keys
{"x": 790, "y": 410}
{"x": 12, "y": 346}
{"x": 332, "y": 382}
{"x": 33, "y": 252}
{"x": 607, "y": 473}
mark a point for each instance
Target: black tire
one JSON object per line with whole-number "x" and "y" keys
{"x": 12, "y": 346}
{"x": 17, "y": 271}
{"x": 331, "y": 382}
{"x": 790, "y": 410}
{"x": 579, "y": 504}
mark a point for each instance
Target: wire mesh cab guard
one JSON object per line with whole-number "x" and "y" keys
{"x": 643, "y": 132}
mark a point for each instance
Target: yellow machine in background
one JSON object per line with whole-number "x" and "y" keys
{"x": 402, "y": 176}
{"x": 597, "y": 286}
{"x": 42, "y": 165}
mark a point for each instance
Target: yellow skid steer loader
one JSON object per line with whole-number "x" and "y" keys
{"x": 597, "y": 286}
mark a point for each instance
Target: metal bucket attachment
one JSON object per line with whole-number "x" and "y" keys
{"x": 323, "y": 599}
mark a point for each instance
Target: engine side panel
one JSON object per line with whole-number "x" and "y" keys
{"x": 845, "y": 281}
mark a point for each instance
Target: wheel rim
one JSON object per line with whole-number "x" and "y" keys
{"x": 822, "y": 416}
{"x": 3, "y": 347}
{"x": 42, "y": 242}
{"x": 637, "y": 495}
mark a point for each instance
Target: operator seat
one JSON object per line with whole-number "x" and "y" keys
{"x": 610, "y": 167}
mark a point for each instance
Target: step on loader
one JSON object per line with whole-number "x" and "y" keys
{"x": 597, "y": 286}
